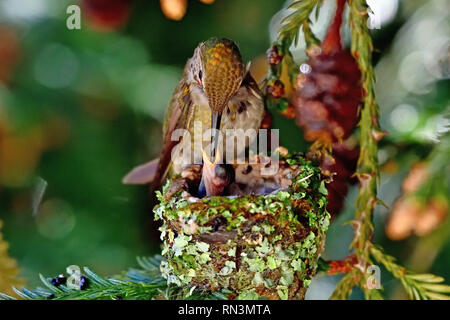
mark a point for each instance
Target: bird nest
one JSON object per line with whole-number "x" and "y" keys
{"x": 262, "y": 239}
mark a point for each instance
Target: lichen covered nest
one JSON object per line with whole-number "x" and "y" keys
{"x": 253, "y": 245}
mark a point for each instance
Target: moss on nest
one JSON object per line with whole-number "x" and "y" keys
{"x": 253, "y": 246}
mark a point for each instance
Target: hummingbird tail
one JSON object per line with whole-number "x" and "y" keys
{"x": 142, "y": 174}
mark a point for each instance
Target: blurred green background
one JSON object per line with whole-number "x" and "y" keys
{"x": 79, "y": 108}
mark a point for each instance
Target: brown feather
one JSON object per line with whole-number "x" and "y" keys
{"x": 178, "y": 116}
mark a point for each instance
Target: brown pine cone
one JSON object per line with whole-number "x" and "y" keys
{"x": 328, "y": 90}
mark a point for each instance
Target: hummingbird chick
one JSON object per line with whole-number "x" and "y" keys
{"x": 216, "y": 90}
{"x": 215, "y": 176}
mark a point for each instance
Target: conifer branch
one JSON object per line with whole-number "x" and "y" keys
{"x": 417, "y": 286}
{"x": 367, "y": 168}
{"x": 288, "y": 35}
{"x": 145, "y": 283}
{"x": 345, "y": 287}
{"x": 299, "y": 19}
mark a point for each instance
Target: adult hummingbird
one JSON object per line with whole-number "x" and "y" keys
{"x": 217, "y": 90}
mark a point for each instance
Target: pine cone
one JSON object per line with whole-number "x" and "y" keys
{"x": 328, "y": 90}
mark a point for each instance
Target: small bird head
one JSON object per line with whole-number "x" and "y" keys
{"x": 216, "y": 176}
{"x": 218, "y": 69}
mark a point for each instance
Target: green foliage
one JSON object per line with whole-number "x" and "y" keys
{"x": 299, "y": 18}
{"x": 417, "y": 286}
{"x": 287, "y": 36}
{"x": 145, "y": 283}
{"x": 345, "y": 287}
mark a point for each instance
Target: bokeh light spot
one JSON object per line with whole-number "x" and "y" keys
{"x": 413, "y": 75}
{"x": 56, "y": 66}
{"x": 404, "y": 118}
{"x": 23, "y": 9}
{"x": 55, "y": 219}
{"x": 153, "y": 88}
{"x": 305, "y": 68}
{"x": 383, "y": 11}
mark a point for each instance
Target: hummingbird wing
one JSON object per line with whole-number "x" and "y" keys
{"x": 178, "y": 116}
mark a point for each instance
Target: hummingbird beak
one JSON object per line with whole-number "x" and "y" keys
{"x": 216, "y": 118}
{"x": 207, "y": 160}
{"x": 215, "y": 177}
